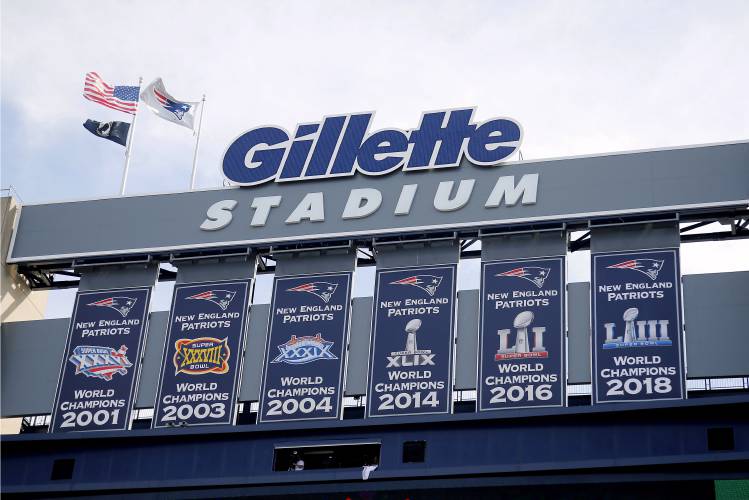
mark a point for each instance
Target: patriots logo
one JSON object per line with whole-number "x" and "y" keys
{"x": 648, "y": 267}
{"x": 100, "y": 362}
{"x": 536, "y": 275}
{"x": 221, "y": 298}
{"x": 120, "y": 304}
{"x": 322, "y": 289}
{"x": 177, "y": 108}
{"x": 426, "y": 282}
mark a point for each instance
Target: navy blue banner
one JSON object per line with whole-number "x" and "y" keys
{"x": 102, "y": 356}
{"x": 303, "y": 376}
{"x": 637, "y": 335}
{"x": 521, "y": 352}
{"x": 410, "y": 361}
{"x": 202, "y": 354}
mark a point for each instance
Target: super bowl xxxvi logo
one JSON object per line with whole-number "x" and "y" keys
{"x": 302, "y": 350}
{"x": 202, "y": 355}
{"x": 425, "y": 282}
{"x": 100, "y": 362}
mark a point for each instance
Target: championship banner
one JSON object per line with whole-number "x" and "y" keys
{"x": 102, "y": 356}
{"x": 410, "y": 364}
{"x": 637, "y": 339}
{"x": 303, "y": 376}
{"x": 521, "y": 351}
{"x": 201, "y": 363}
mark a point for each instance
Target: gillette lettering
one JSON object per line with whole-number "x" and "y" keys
{"x": 341, "y": 146}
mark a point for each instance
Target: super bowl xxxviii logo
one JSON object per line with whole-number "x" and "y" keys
{"x": 201, "y": 355}
{"x": 426, "y": 282}
{"x": 100, "y": 362}
{"x": 302, "y": 350}
{"x": 120, "y": 304}
{"x": 321, "y": 289}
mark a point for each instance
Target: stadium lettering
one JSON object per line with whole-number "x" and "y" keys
{"x": 341, "y": 146}
{"x": 363, "y": 203}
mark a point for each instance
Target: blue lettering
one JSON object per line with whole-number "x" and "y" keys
{"x": 247, "y": 163}
{"x": 341, "y": 144}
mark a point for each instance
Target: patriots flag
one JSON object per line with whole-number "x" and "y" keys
{"x": 221, "y": 298}
{"x": 648, "y": 267}
{"x": 426, "y": 282}
{"x": 322, "y": 289}
{"x": 167, "y": 107}
{"x": 120, "y": 304}
{"x": 536, "y": 275}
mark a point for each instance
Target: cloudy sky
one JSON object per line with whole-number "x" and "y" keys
{"x": 582, "y": 78}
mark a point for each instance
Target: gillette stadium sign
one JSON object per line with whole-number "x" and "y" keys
{"x": 342, "y": 145}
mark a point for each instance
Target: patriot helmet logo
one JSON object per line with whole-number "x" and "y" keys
{"x": 426, "y": 282}
{"x": 221, "y": 298}
{"x": 120, "y": 304}
{"x": 177, "y": 108}
{"x": 100, "y": 362}
{"x": 303, "y": 350}
{"x": 536, "y": 275}
{"x": 322, "y": 289}
{"x": 648, "y": 267}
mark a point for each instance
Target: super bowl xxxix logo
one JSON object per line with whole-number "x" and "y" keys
{"x": 301, "y": 350}
{"x": 201, "y": 355}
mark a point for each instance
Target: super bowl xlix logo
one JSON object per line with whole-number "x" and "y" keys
{"x": 302, "y": 350}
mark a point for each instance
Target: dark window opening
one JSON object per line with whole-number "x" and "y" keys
{"x": 720, "y": 439}
{"x": 414, "y": 451}
{"x": 338, "y": 456}
{"x": 62, "y": 468}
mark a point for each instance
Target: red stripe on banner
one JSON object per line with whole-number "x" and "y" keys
{"x": 159, "y": 96}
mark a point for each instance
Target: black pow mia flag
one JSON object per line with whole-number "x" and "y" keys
{"x": 114, "y": 131}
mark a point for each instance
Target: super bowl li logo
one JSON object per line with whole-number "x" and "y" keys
{"x": 635, "y": 334}
{"x": 521, "y": 349}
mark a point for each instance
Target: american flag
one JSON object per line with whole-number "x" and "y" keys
{"x": 122, "y": 98}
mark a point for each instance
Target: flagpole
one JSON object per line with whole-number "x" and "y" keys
{"x": 197, "y": 143}
{"x": 130, "y": 139}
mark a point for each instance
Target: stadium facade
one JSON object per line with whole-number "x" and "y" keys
{"x": 529, "y": 386}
